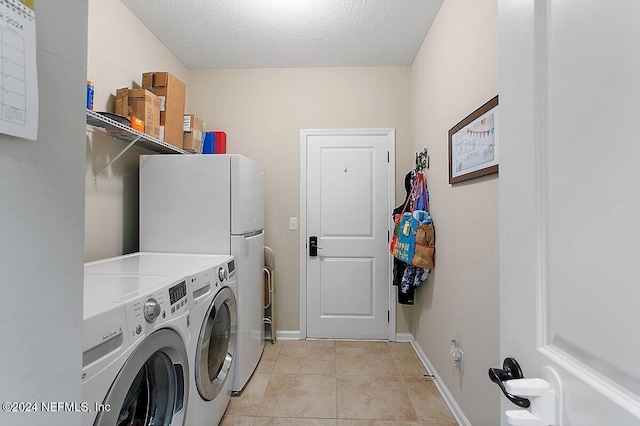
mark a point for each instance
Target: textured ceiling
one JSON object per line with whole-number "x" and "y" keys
{"x": 288, "y": 33}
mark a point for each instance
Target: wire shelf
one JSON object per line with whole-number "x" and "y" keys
{"x": 127, "y": 134}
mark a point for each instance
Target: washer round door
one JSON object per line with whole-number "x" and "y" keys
{"x": 216, "y": 345}
{"x": 151, "y": 388}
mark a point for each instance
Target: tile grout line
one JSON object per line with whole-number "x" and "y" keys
{"x": 335, "y": 374}
{"x": 406, "y": 389}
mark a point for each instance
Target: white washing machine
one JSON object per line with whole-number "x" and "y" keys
{"x": 135, "y": 360}
{"x": 213, "y": 311}
{"x": 136, "y": 356}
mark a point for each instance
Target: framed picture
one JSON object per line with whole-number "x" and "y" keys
{"x": 473, "y": 144}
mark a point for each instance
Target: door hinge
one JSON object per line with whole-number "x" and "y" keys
{"x": 388, "y": 156}
{"x": 388, "y": 317}
{"x": 388, "y": 237}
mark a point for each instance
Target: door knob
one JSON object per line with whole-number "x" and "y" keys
{"x": 313, "y": 246}
{"x": 510, "y": 370}
{"x": 545, "y": 393}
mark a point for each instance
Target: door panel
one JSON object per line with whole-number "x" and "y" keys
{"x": 346, "y": 178}
{"x": 346, "y": 287}
{"x": 348, "y": 209}
{"x": 568, "y": 170}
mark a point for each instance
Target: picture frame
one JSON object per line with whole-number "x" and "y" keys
{"x": 473, "y": 144}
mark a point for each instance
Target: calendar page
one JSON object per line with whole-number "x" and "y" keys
{"x": 19, "y": 78}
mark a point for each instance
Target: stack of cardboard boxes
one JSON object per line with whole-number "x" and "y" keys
{"x": 158, "y": 110}
{"x": 159, "y": 104}
{"x": 171, "y": 92}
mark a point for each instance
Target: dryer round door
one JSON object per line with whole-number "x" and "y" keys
{"x": 152, "y": 386}
{"x": 216, "y": 345}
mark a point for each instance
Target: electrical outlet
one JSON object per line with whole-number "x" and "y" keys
{"x": 293, "y": 223}
{"x": 457, "y": 367}
{"x": 457, "y": 354}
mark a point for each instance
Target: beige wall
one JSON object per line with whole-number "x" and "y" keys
{"x": 263, "y": 110}
{"x": 120, "y": 49}
{"x": 455, "y": 72}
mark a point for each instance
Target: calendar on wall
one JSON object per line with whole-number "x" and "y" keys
{"x": 18, "y": 72}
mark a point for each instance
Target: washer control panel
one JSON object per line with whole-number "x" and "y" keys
{"x": 151, "y": 310}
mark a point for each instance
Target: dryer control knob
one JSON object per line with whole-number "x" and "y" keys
{"x": 222, "y": 274}
{"x": 151, "y": 310}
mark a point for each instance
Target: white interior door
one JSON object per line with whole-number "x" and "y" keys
{"x": 569, "y": 180}
{"x": 348, "y": 200}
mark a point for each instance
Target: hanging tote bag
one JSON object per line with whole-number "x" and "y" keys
{"x": 425, "y": 241}
{"x": 413, "y": 239}
{"x": 402, "y": 242}
{"x": 425, "y": 233}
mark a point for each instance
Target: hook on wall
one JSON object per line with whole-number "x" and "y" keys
{"x": 422, "y": 160}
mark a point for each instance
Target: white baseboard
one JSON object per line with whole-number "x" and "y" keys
{"x": 404, "y": 337}
{"x": 455, "y": 409}
{"x": 295, "y": 335}
{"x": 288, "y": 334}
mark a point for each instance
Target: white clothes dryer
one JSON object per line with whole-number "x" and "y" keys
{"x": 214, "y": 330}
{"x": 135, "y": 360}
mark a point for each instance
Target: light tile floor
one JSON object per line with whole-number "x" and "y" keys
{"x": 339, "y": 383}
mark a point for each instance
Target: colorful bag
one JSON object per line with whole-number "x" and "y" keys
{"x": 403, "y": 242}
{"x": 425, "y": 245}
{"x": 413, "y": 239}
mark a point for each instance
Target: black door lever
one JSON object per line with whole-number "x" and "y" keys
{"x": 313, "y": 246}
{"x": 510, "y": 370}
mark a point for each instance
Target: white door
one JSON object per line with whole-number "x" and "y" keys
{"x": 346, "y": 204}
{"x": 569, "y": 202}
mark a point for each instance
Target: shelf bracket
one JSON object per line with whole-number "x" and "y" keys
{"x": 126, "y": 148}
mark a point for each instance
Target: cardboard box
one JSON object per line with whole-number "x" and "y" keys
{"x": 141, "y": 104}
{"x": 192, "y": 136}
{"x": 171, "y": 92}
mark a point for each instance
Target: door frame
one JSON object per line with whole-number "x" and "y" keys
{"x": 390, "y": 133}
